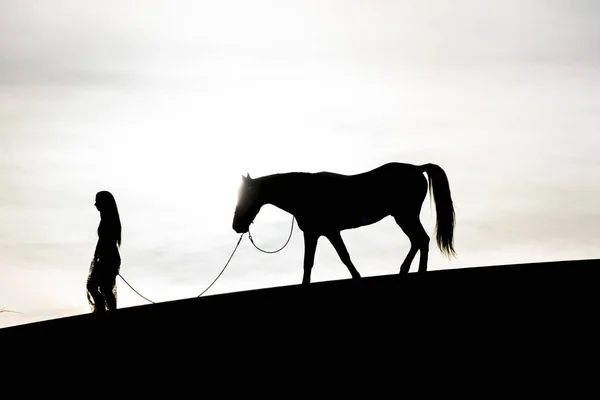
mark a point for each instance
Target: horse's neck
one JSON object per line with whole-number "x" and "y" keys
{"x": 283, "y": 190}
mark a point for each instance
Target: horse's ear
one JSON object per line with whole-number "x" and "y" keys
{"x": 248, "y": 176}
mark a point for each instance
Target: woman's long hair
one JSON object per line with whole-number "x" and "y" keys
{"x": 110, "y": 222}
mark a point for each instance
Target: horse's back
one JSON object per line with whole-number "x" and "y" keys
{"x": 331, "y": 175}
{"x": 349, "y": 201}
{"x": 391, "y": 168}
{"x": 394, "y": 168}
{"x": 390, "y": 177}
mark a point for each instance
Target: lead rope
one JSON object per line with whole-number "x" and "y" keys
{"x": 275, "y": 251}
{"x": 226, "y": 264}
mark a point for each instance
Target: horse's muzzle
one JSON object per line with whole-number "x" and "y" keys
{"x": 239, "y": 229}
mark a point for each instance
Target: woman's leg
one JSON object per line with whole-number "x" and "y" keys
{"x": 110, "y": 295}
{"x": 109, "y": 286}
{"x": 94, "y": 295}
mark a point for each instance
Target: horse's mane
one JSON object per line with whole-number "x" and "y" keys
{"x": 290, "y": 178}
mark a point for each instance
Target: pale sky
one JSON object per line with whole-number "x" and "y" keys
{"x": 167, "y": 103}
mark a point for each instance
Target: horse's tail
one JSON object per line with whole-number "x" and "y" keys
{"x": 439, "y": 189}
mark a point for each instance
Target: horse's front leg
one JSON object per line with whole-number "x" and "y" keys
{"x": 310, "y": 247}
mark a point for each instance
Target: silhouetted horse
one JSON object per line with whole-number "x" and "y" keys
{"x": 326, "y": 203}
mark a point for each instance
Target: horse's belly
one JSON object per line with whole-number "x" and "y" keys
{"x": 347, "y": 211}
{"x": 349, "y": 220}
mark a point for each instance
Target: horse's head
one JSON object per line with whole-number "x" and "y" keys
{"x": 247, "y": 207}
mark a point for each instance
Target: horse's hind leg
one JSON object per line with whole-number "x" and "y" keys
{"x": 419, "y": 240}
{"x": 310, "y": 248}
{"x": 338, "y": 244}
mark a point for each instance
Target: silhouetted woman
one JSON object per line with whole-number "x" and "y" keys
{"x": 101, "y": 284}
